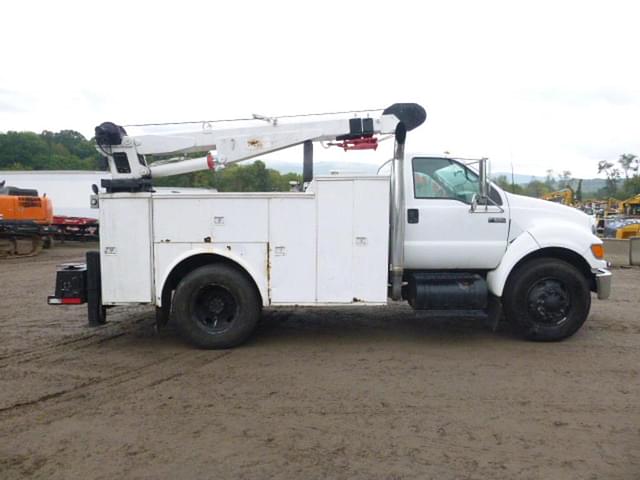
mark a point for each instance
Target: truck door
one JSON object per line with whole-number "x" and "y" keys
{"x": 442, "y": 231}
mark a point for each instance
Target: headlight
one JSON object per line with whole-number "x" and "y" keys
{"x": 598, "y": 250}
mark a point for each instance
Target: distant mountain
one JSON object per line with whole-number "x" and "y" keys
{"x": 588, "y": 184}
{"x": 518, "y": 178}
{"x": 593, "y": 184}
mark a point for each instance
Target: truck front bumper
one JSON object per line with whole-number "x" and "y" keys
{"x": 603, "y": 282}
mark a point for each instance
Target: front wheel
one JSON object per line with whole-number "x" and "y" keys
{"x": 216, "y": 306}
{"x": 547, "y": 299}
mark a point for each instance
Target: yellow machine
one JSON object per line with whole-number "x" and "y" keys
{"x": 631, "y": 206}
{"x": 628, "y": 231}
{"x": 564, "y": 196}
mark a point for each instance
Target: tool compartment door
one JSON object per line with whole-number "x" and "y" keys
{"x": 353, "y": 239}
{"x": 292, "y": 250}
{"x": 370, "y": 240}
{"x": 125, "y": 248}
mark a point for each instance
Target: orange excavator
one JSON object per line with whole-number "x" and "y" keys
{"x": 25, "y": 222}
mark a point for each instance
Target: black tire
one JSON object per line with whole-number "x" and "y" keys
{"x": 547, "y": 299}
{"x": 216, "y": 306}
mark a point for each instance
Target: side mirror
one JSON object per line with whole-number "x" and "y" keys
{"x": 484, "y": 178}
{"x": 481, "y": 198}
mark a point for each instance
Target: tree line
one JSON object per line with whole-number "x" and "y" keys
{"x": 63, "y": 150}
{"x": 622, "y": 181}
{"x": 552, "y": 183}
{"x": 254, "y": 177}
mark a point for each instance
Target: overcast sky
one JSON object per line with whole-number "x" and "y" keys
{"x": 542, "y": 84}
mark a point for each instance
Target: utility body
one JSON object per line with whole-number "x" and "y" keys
{"x": 435, "y": 232}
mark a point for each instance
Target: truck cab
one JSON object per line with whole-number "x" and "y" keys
{"x": 540, "y": 259}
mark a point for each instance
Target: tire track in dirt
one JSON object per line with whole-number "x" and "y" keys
{"x": 100, "y": 335}
{"x": 139, "y": 378}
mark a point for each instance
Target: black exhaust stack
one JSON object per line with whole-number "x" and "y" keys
{"x": 411, "y": 115}
{"x": 307, "y": 162}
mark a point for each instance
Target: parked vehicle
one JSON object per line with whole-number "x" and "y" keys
{"x": 25, "y": 222}
{"x": 435, "y": 233}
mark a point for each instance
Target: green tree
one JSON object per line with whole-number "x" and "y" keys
{"x": 503, "y": 182}
{"x": 550, "y": 180}
{"x": 613, "y": 176}
{"x": 75, "y": 143}
{"x": 254, "y": 177}
{"x": 27, "y": 149}
{"x": 578, "y": 194}
{"x": 631, "y": 186}
{"x": 65, "y": 150}
{"x": 536, "y": 188}
{"x": 564, "y": 179}
{"x": 628, "y": 163}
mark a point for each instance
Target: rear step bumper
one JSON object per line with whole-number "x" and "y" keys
{"x": 78, "y": 283}
{"x": 71, "y": 285}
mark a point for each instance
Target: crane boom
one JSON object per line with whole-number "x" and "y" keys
{"x": 130, "y": 171}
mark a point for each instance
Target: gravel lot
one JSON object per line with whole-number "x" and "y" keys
{"x": 317, "y": 393}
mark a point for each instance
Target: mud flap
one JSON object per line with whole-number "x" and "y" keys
{"x": 163, "y": 314}
{"x": 97, "y": 313}
{"x": 494, "y": 312}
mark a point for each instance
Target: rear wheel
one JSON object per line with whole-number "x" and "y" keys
{"x": 547, "y": 299}
{"x": 216, "y": 306}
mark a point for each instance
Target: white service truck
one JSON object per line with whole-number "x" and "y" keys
{"x": 436, "y": 232}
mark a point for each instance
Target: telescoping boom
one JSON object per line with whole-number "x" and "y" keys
{"x": 227, "y": 145}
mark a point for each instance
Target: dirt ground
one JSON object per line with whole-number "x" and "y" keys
{"x": 333, "y": 393}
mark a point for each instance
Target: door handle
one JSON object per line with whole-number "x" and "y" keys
{"x": 497, "y": 220}
{"x": 413, "y": 215}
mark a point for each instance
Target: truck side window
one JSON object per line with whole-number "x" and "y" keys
{"x": 446, "y": 178}
{"x": 443, "y": 178}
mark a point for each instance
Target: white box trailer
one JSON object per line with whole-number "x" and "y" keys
{"x": 436, "y": 233}
{"x": 67, "y": 189}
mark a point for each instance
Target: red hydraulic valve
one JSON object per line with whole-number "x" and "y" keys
{"x": 211, "y": 161}
{"x": 363, "y": 143}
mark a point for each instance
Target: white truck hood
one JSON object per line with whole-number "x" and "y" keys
{"x": 527, "y": 212}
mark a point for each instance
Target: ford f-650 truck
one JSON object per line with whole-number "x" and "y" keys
{"x": 436, "y": 232}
